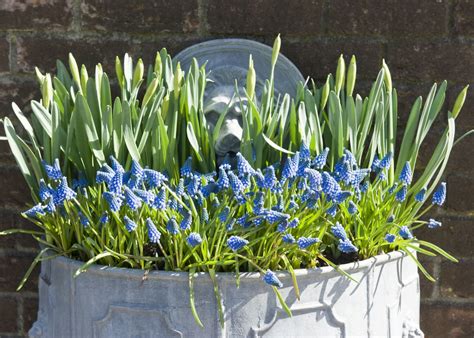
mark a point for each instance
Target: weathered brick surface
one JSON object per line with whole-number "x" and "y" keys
{"x": 464, "y": 17}
{"x": 456, "y": 279}
{"x": 142, "y": 16}
{"x": 421, "y": 41}
{"x": 455, "y": 236}
{"x": 9, "y": 315}
{"x": 387, "y": 18}
{"x": 12, "y": 270}
{"x": 447, "y": 320}
{"x": 460, "y": 197}
{"x": 35, "y": 14}
{"x": 259, "y": 17}
{"x": 14, "y": 189}
{"x": 431, "y": 61}
{"x": 4, "y": 55}
{"x": 319, "y": 58}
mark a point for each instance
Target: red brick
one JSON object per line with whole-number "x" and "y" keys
{"x": 9, "y": 315}
{"x": 140, "y": 16}
{"x": 30, "y": 313}
{"x": 432, "y": 61}
{"x": 35, "y": 14}
{"x": 464, "y": 17}
{"x": 444, "y": 320}
{"x": 387, "y": 18}
{"x": 319, "y": 58}
{"x": 456, "y": 279}
{"x": 456, "y": 235}
{"x": 460, "y": 196}
{"x": 12, "y": 270}
{"x": 265, "y": 17}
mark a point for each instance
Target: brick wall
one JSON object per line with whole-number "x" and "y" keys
{"x": 422, "y": 40}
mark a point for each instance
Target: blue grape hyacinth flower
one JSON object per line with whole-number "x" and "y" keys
{"x": 186, "y": 170}
{"x": 352, "y": 208}
{"x": 53, "y": 171}
{"x": 306, "y": 242}
{"x": 114, "y": 201}
{"x": 172, "y": 226}
{"x": 186, "y": 222}
{"x": 420, "y": 196}
{"x": 390, "y": 238}
{"x": 338, "y": 231}
{"x": 153, "y": 233}
{"x": 224, "y": 214}
{"x": 346, "y": 246}
{"x": 243, "y": 166}
{"x": 35, "y": 211}
{"x": 439, "y": 196}
{"x": 129, "y": 224}
{"x": 194, "y": 239}
{"x": 160, "y": 202}
{"x": 154, "y": 178}
{"x": 131, "y": 199}
{"x": 406, "y": 174}
{"x": 401, "y": 194}
{"x": 405, "y": 232}
{"x": 320, "y": 160}
{"x": 433, "y": 224}
{"x": 271, "y": 279}
{"x": 236, "y": 243}
{"x": 288, "y": 238}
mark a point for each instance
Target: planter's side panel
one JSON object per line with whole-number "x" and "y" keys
{"x": 395, "y": 299}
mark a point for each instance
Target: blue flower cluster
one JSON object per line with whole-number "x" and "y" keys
{"x": 240, "y": 197}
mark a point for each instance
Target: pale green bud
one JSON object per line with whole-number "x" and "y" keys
{"x": 351, "y": 76}
{"x": 251, "y": 79}
{"x": 459, "y": 102}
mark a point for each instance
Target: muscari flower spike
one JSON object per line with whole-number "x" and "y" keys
{"x": 439, "y": 196}
{"x": 291, "y": 167}
{"x": 433, "y": 224}
{"x": 115, "y": 185}
{"x": 194, "y": 239}
{"x": 160, "y": 202}
{"x": 346, "y": 246}
{"x": 386, "y": 161}
{"x": 236, "y": 243}
{"x": 235, "y": 183}
{"x": 332, "y": 210}
{"x": 305, "y": 153}
{"x": 83, "y": 219}
{"x": 352, "y": 208}
{"x": 406, "y": 175}
{"x": 172, "y": 226}
{"x": 270, "y": 178}
{"x": 53, "y": 171}
{"x": 271, "y": 279}
{"x": 186, "y": 169}
{"x": 243, "y": 166}
{"x": 223, "y": 180}
{"x": 131, "y": 199}
{"x": 153, "y": 233}
{"x": 186, "y": 222}
{"x": 405, "y": 232}
{"x": 116, "y": 166}
{"x": 45, "y": 192}
{"x": 305, "y": 242}
{"x": 63, "y": 192}
{"x": 320, "y": 160}
{"x": 103, "y": 177}
{"x": 314, "y": 178}
{"x": 272, "y": 216}
{"x": 35, "y": 211}
{"x": 136, "y": 169}
{"x": 204, "y": 215}
{"x": 338, "y": 231}
{"x": 390, "y": 238}
{"x": 288, "y": 239}
{"x": 154, "y": 178}
{"x": 224, "y": 214}
{"x": 294, "y": 223}
{"x": 114, "y": 201}
{"x": 420, "y": 196}
{"x": 129, "y": 224}
{"x": 104, "y": 219}
{"x": 401, "y": 194}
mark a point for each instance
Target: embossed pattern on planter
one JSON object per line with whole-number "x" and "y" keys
{"x": 115, "y": 302}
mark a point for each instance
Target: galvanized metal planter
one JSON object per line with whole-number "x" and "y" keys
{"x": 117, "y": 302}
